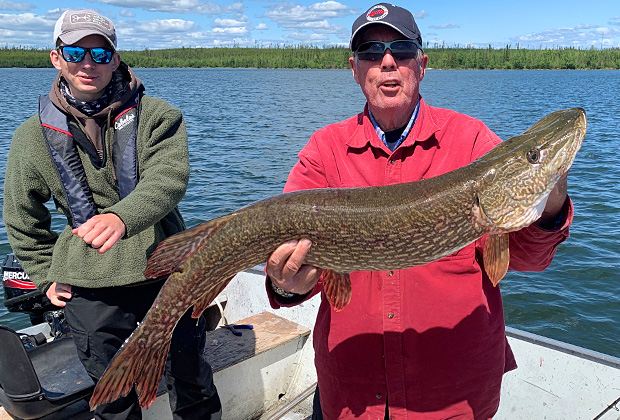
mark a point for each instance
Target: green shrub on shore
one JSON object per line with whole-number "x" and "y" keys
{"x": 311, "y": 57}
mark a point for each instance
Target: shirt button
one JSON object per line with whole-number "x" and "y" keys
{"x": 393, "y": 161}
{"x": 391, "y": 273}
{"x": 379, "y": 396}
{"x": 391, "y": 315}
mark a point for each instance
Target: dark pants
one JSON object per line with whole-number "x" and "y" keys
{"x": 317, "y": 414}
{"x": 101, "y": 319}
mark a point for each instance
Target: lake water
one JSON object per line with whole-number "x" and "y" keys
{"x": 246, "y": 127}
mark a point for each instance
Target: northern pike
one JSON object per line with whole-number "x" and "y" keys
{"x": 351, "y": 229}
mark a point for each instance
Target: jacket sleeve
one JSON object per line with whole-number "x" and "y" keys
{"x": 26, "y": 218}
{"x": 533, "y": 248}
{"x": 307, "y": 173}
{"x": 163, "y": 162}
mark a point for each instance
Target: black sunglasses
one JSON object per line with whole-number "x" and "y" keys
{"x": 73, "y": 54}
{"x": 404, "y": 49}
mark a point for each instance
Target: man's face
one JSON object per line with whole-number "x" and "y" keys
{"x": 391, "y": 86}
{"x": 87, "y": 79}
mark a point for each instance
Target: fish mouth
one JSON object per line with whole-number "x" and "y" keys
{"x": 567, "y": 147}
{"x": 544, "y": 153}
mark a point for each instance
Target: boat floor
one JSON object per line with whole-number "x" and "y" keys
{"x": 79, "y": 411}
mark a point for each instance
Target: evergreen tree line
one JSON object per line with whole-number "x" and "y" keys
{"x": 310, "y": 57}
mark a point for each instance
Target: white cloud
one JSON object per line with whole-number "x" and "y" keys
{"x": 172, "y": 6}
{"x": 261, "y": 27}
{"x": 231, "y": 31}
{"x": 309, "y": 38}
{"x": 232, "y": 41}
{"x": 163, "y": 26}
{"x": 231, "y": 27}
{"x": 445, "y": 26}
{"x": 320, "y": 26}
{"x": 164, "y": 33}
{"x": 311, "y": 23}
{"x": 27, "y": 30}
{"x": 230, "y": 23}
{"x": 127, "y": 13}
{"x": 15, "y": 6}
{"x": 290, "y": 14}
{"x": 582, "y": 36}
{"x": 234, "y": 8}
{"x": 331, "y": 7}
{"x": 421, "y": 14}
{"x": 24, "y": 21}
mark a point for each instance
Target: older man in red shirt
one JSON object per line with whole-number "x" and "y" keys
{"x": 426, "y": 342}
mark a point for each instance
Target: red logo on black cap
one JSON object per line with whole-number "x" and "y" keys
{"x": 377, "y": 13}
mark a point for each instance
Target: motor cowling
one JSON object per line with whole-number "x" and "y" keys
{"x": 20, "y": 294}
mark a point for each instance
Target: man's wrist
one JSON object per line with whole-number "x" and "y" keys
{"x": 555, "y": 222}
{"x": 281, "y": 292}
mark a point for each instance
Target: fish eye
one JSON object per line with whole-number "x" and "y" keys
{"x": 533, "y": 156}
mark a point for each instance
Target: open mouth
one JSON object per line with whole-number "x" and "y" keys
{"x": 391, "y": 84}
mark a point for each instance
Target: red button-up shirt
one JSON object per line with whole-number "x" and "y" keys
{"x": 431, "y": 338}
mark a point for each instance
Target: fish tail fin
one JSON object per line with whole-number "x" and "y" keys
{"x": 146, "y": 387}
{"x": 496, "y": 256}
{"x": 337, "y": 288}
{"x": 207, "y": 298}
{"x": 140, "y": 361}
{"x": 171, "y": 252}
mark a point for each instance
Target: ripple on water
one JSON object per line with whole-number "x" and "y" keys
{"x": 246, "y": 126}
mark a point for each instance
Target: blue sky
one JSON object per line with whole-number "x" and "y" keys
{"x": 202, "y": 23}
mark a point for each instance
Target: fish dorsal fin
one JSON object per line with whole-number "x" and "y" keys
{"x": 171, "y": 252}
{"x": 496, "y": 256}
{"x": 337, "y": 288}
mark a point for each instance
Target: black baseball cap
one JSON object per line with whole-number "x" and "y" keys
{"x": 386, "y": 14}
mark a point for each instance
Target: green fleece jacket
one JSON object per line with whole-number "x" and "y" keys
{"x": 149, "y": 212}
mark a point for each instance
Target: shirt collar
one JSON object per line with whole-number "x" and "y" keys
{"x": 403, "y": 136}
{"x": 423, "y": 129}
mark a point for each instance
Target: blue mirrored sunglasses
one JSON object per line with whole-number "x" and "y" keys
{"x": 73, "y": 54}
{"x": 404, "y": 49}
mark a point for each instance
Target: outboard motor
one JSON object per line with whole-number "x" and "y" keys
{"x": 21, "y": 295}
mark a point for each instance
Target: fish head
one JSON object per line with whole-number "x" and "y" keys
{"x": 524, "y": 170}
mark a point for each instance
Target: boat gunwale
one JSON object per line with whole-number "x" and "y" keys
{"x": 571, "y": 349}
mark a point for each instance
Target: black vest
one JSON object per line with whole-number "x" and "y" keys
{"x": 62, "y": 146}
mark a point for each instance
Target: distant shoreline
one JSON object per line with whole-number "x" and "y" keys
{"x": 301, "y": 57}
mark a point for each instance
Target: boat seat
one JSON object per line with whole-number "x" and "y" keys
{"x": 41, "y": 380}
{"x": 252, "y": 371}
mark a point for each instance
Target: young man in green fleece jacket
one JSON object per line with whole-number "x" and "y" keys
{"x": 116, "y": 163}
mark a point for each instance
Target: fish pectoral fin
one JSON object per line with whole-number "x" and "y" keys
{"x": 174, "y": 250}
{"x": 337, "y": 288}
{"x": 205, "y": 300}
{"x": 496, "y": 256}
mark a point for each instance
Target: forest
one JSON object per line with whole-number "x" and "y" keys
{"x": 314, "y": 57}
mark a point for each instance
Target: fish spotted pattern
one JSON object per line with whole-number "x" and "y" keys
{"x": 351, "y": 229}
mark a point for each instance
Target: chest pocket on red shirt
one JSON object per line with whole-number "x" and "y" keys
{"x": 460, "y": 262}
